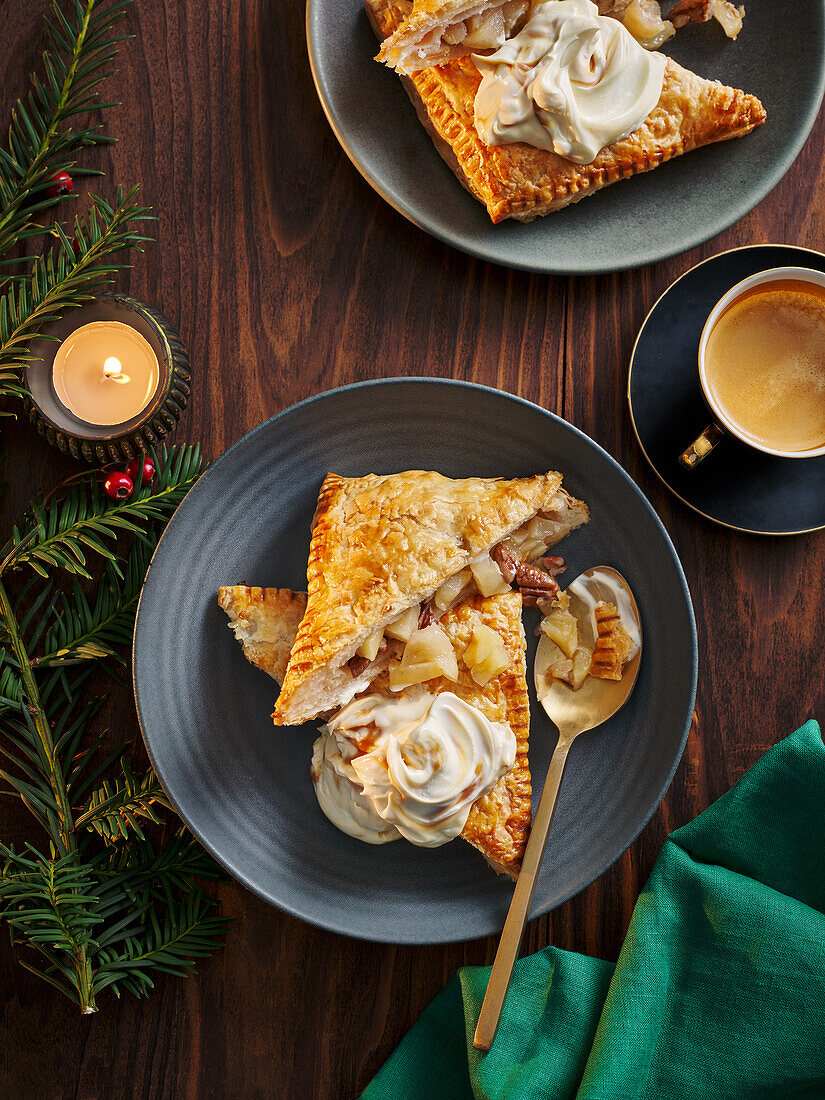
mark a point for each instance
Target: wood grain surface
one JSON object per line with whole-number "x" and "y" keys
{"x": 287, "y": 275}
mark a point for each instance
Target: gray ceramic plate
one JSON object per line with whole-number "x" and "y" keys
{"x": 243, "y": 787}
{"x": 779, "y": 56}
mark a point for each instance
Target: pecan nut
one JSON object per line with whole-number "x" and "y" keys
{"x": 700, "y": 11}
{"x": 427, "y": 615}
{"x": 506, "y": 560}
{"x": 357, "y": 664}
{"x": 534, "y": 581}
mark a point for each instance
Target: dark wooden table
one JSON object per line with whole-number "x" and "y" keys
{"x": 287, "y": 275}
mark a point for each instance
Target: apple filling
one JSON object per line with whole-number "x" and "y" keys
{"x": 518, "y": 561}
{"x": 643, "y": 18}
{"x": 569, "y": 661}
{"x": 486, "y": 655}
{"x": 427, "y": 655}
{"x": 487, "y": 30}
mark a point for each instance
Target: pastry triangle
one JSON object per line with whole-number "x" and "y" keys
{"x": 265, "y": 621}
{"x": 521, "y": 182}
{"x": 499, "y": 822}
{"x": 382, "y": 544}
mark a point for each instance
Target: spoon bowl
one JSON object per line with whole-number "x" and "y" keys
{"x": 573, "y": 712}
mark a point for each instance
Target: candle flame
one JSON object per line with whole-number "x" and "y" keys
{"x": 113, "y": 370}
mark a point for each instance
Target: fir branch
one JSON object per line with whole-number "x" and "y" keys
{"x": 68, "y": 718}
{"x": 32, "y": 744}
{"x": 81, "y": 630}
{"x": 61, "y": 280}
{"x": 168, "y": 945}
{"x": 48, "y": 898}
{"x": 11, "y": 690}
{"x": 22, "y": 749}
{"x": 41, "y": 142}
{"x": 117, "y": 805}
{"x": 66, "y": 910}
{"x": 98, "y": 916}
{"x": 40, "y": 734}
{"x": 49, "y": 902}
{"x": 61, "y": 534}
{"x": 146, "y": 874}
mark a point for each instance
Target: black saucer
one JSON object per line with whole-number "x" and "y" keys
{"x": 735, "y": 485}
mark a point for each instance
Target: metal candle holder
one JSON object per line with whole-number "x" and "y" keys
{"x": 98, "y": 444}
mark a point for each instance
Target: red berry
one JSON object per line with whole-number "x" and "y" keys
{"x": 142, "y": 468}
{"x": 61, "y": 185}
{"x": 118, "y": 486}
{"x": 76, "y": 247}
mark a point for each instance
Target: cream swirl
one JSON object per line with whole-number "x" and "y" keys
{"x": 571, "y": 82}
{"x": 339, "y": 793}
{"x": 412, "y": 766}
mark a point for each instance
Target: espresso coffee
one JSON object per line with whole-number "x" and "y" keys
{"x": 765, "y": 365}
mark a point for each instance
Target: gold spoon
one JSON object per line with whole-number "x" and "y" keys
{"x": 573, "y": 712}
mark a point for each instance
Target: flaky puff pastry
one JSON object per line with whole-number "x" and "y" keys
{"x": 265, "y": 622}
{"x": 437, "y": 31}
{"x": 499, "y": 821}
{"x": 521, "y": 182}
{"x": 613, "y": 644}
{"x": 384, "y": 543}
{"x": 422, "y": 38}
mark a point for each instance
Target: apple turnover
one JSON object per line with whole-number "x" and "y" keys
{"x": 390, "y": 554}
{"x": 436, "y": 31}
{"x": 515, "y": 179}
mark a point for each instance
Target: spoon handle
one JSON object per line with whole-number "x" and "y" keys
{"x": 510, "y": 941}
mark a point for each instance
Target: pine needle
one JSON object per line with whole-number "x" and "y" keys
{"x": 93, "y": 630}
{"x": 117, "y": 805}
{"x": 62, "y": 534}
{"x": 104, "y": 908}
{"x": 42, "y": 141}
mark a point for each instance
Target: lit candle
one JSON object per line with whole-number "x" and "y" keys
{"x": 111, "y": 394}
{"x": 105, "y": 373}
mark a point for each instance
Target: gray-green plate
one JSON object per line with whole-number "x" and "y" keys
{"x": 779, "y": 56}
{"x": 243, "y": 787}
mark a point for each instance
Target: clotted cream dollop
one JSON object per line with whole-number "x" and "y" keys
{"x": 572, "y": 81}
{"x": 411, "y": 766}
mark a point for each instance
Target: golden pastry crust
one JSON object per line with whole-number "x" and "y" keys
{"x": 265, "y": 622}
{"x": 381, "y": 544}
{"x": 613, "y": 644}
{"x": 424, "y": 17}
{"x": 521, "y": 182}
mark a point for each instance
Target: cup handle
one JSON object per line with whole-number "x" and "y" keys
{"x": 701, "y": 447}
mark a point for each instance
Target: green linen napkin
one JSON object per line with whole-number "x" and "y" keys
{"x": 719, "y": 990}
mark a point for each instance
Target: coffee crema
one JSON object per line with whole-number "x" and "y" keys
{"x": 765, "y": 365}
